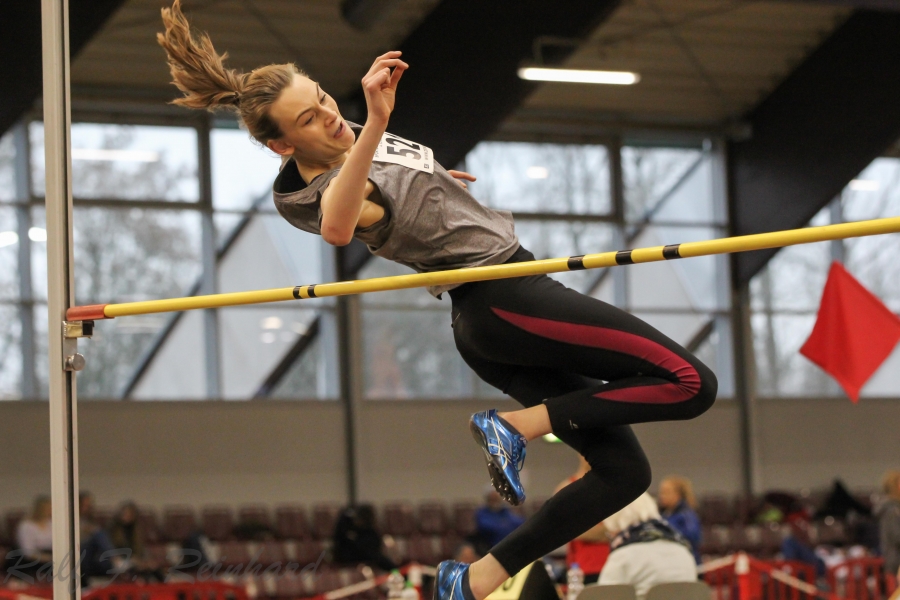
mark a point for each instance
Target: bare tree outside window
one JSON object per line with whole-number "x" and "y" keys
{"x": 554, "y": 178}
{"x": 127, "y": 254}
{"x": 649, "y": 173}
{"x": 7, "y": 174}
{"x": 10, "y": 353}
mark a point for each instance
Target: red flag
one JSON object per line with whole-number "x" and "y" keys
{"x": 854, "y": 332}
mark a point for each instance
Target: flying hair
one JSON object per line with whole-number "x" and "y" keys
{"x": 199, "y": 72}
{"x": 197, "y": 69}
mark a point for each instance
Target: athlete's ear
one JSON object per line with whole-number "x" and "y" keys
{"x": 280, "y": 147}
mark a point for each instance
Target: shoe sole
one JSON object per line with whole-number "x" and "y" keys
{"x": 498, "y": 479}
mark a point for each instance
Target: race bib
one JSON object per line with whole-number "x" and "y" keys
{"x": 396, "y": 150}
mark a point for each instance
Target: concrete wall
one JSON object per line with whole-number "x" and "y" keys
{"x": 163, "y": 453}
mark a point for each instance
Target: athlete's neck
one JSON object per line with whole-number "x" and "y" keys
{"x": 311, "y": 170}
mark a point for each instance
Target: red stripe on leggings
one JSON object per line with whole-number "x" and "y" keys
{"x": 604, "y": 338}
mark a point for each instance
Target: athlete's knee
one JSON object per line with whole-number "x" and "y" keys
{"x": 639, "y": 476}
{"x": 709, "y": 387}
{"x": 706, "y": 392}
{"x": 628, "y": 472}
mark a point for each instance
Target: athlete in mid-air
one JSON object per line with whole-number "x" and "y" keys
{"x": 584, "y": 370}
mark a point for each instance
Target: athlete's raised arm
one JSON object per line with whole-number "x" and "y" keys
{"x": 342, "y": 201}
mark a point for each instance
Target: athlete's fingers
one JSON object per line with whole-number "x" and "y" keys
{"x": 396, "y": 75}
{"x": 386, "y": 56}
{"x": 377, "y": 80}
{"x": 462, "y": 175}
{"x": 388, "y": 62}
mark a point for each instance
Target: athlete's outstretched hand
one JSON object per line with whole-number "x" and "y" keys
{"x": 460, "y": 175}
{"x": 380, "y": 85}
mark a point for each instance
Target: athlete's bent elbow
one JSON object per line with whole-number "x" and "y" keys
{"x": 336, "y": 237}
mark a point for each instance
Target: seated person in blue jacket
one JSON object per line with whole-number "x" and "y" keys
{"x": 677, "y": 503}
{"x": 493, "y": 522}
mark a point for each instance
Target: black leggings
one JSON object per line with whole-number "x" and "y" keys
{"x": 541, "y": 342}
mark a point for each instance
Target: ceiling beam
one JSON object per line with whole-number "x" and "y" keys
{"x": 20, "y": 49}
{"x": 824, "y": 124}
{"x": 463, "y": 58}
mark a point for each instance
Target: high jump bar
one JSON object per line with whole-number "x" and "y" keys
{"x": 744, "y": 243}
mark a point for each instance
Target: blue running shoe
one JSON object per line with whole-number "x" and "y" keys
{"x": 504, "y": 452}
{"x": 449, "y": 582}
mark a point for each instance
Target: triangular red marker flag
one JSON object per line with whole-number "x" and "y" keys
{"x": 854, "y": 332}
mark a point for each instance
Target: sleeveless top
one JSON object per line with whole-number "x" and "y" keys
{"x": 430, "y": 223}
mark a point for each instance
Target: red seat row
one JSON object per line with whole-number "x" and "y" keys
{"x": 765, "y": 541}
{"x": 721, "y": 509}
{"x": 287, "y": 522}
{"x": 424, "y": 549}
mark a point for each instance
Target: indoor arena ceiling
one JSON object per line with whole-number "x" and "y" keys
{"x": 311, "y": 33}
{"x": 703, "y": 63}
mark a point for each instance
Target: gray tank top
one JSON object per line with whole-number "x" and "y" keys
{"x": 430, "y": 222}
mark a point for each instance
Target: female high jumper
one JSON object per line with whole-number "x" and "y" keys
{"x": 584, "y": 370}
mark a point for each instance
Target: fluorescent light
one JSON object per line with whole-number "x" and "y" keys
{"x": 8, "y": 238}
{"x": 114, "y": 155}
{"x": 271, "y": 323}
{"x": 537, "y": 173}
{"x": 864, "y": 185}
{"x": 37, "y": 234}
{"x": 579, "y": 76}
{"x": 267, "y": 338}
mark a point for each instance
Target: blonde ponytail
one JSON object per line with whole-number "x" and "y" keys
{"x": 197, "y": 69}
{"x": 199, "y": 73}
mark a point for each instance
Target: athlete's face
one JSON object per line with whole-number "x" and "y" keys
{"x": 314, "y": 132}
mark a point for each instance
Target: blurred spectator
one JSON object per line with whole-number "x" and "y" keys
{"x": 97, "y": 556}
{"x": 34, "y": 542}
{"x": 590, "y": 549}
{"x": 99, "y": 559}
{"x": 466, "y": 553}
{"x": 889, "y": 523}
{"x": 86, "y": 511}
{"x": 128, "y": 537}
{"x": 195, "y": 551}
{"x": 841, "y": 504}
{"x": 797, "y": 545}
{"x": 357, "y": 541}
{"x": 777, "y": 507}
{"x": 769, "y": 514}
{"x": 126, "y": 533}
{"x": 676, "y": 499}
{"x": 493, "y": 522}
{"x": 646, "y": 550}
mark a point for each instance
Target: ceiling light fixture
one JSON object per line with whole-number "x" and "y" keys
{"x": 8, "y": 238}
{"x": 579, "y": 76}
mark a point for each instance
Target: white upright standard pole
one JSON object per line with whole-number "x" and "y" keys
{"x": 60, "y": 296}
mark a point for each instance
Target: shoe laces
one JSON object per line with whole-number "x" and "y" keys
{"x": 518, "y": 455}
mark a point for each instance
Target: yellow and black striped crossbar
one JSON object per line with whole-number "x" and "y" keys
{"x": 743, "y": 243}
